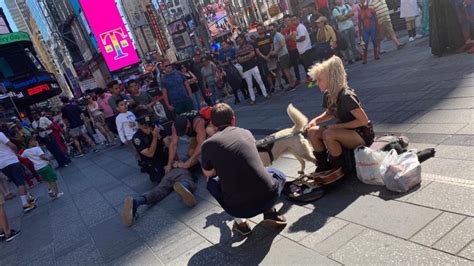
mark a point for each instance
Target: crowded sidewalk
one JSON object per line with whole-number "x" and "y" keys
{"x": 409, "y": 92}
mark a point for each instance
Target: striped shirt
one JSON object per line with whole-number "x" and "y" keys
{"x": 381, "y": 9}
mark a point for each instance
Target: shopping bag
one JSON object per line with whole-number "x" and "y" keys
{"x": 401, "y": 172}
{"x": 368, "y": 162}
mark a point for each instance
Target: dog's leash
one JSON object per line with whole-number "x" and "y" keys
{"x": 271, "y": 139}
{"x": 266, "y": 144}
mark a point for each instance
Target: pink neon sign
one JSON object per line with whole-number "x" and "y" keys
{"x": 110, "y": 32}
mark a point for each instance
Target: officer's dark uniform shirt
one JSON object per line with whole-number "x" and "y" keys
{"x": 143, "y": 141}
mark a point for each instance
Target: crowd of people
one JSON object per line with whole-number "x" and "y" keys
{"x": 151, "y": 126}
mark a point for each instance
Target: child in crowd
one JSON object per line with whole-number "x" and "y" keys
{"x": 41, "y": 164}
{"x": 125, "y": 121}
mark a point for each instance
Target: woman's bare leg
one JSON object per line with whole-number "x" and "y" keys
{"x": 337, "y": 139}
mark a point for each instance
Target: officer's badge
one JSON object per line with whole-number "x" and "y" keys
{"x": 137, "y": 141}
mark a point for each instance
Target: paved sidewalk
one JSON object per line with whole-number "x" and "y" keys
{"x": 431, "y": 100}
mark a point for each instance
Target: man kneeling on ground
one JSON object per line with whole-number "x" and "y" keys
{"x": 237, "y": 178}
{"x": 178, "y": 179}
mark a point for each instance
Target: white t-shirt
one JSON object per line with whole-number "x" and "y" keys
{"x": 126, "y": 125}
{"x": 7, "y": 156}
{"x": 33, "y": 154}
{"x": 43, "y": 122}
{"x": 306, "y": 44}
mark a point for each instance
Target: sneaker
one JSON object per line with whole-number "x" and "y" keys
{"x": 79, "y": 155}
{"x": 400, "y": 46}
{"x": 95, "y": 150}
{"x": 2, "y": 234}
{"x": 274, "y": 218}
{"x": 268, "y": 97}
{"x": 60, "y": 194}
{"x": 10, "y": 196}
{"x": 127, "y": 213}
{"x": 13, "y": 235}
{"x": 32, "y": 199}
{"x": 28, "y": 207}
{"x": 186, "y": 195}
{"x": 242, "y": 228}
{"x": 290, "y": 89}
{"x": 411, "y": 39}
{"x": 51, "y": 193}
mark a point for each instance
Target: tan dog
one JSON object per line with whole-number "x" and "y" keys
{"x": 296, "y": 145}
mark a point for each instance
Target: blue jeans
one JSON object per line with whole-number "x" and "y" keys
{"x": 197, "y": 100}
{"x": 214, "y": 188}
{"x": 214, "y": 97}
{"x": 351, "y": 51}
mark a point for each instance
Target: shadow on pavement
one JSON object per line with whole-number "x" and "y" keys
{"x": 250, "y": 250}
{"x": 336, "y": 199}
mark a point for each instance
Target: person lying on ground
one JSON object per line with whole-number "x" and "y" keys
{"x": 178, "y": 179}
{"x": 237, "y": 178}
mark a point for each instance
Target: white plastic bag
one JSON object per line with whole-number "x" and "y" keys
{"x": 368, "y": 162}
{"x": 401, "y": 172}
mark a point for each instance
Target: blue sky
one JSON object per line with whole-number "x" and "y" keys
{"x": 7, "y": 13}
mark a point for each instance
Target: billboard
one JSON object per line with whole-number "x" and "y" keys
{"x": 109, "y": 30}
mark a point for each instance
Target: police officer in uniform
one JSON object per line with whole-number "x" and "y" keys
{"x": 150, "y": 146}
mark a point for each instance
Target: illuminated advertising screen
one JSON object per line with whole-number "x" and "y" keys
{"x": 109, "y": 30}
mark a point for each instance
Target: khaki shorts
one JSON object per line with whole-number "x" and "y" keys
{"x": 385, "y": 30}
{"x": 78, "y": 131}
{"x": 2, "y": 200}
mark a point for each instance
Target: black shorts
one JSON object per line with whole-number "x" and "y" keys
{"x": 263, "y": 68}
{"x": 366, "y": 133}
{"x": 15, "y": 173}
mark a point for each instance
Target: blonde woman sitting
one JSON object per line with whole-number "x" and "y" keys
{"x": 352, "y": 127}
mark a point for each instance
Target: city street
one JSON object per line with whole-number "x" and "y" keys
{"x": 409, "y": 92}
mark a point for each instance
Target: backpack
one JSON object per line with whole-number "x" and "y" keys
{"x": 389, "y": 142}
{"x": 205, "y": 113}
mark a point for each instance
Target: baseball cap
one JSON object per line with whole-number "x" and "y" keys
{"x": 180, "y": 123}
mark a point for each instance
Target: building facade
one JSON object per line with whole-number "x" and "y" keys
{"x": 136, "y": 15}
{"x": 17, "y": 16}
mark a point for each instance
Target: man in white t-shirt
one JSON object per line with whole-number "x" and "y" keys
{"x": 303, "y": 43}
{"x": 343, "y": 14}
{"x": 11, "y": 167}
{"x": 43, "y": 126}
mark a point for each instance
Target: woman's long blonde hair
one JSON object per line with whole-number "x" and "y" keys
{"x": 335, "y": 74}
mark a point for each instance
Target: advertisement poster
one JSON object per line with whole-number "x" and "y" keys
{"x": 216, "y": 18}
{"x": 110, "y": 32}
